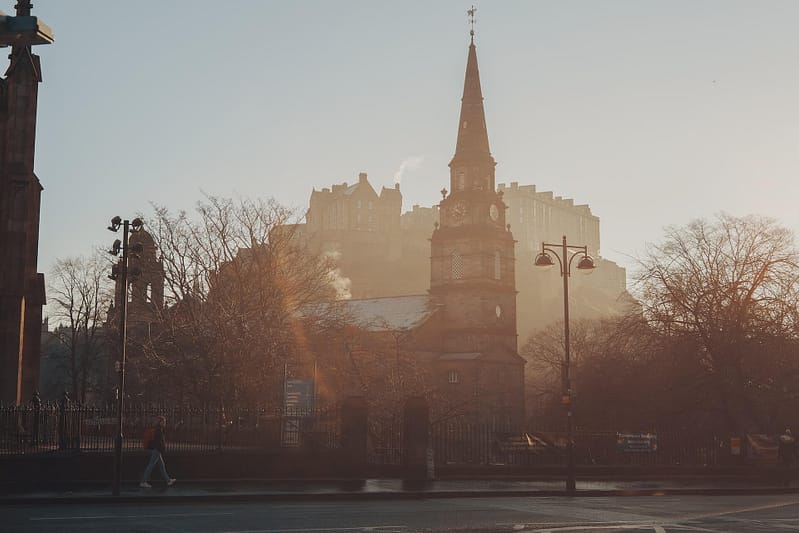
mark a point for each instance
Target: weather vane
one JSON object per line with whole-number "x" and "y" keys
{"x": 471, "y": 13}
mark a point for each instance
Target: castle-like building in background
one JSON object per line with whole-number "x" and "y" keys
{"x": 381, "y": 251}
{"x": 540, "y": 216}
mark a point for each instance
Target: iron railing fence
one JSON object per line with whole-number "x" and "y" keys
{"x": 27, "y": 429}
{"x": 49, "y": 427}
{"x": 463, "y": 443}
{"x": 385, "y": 444}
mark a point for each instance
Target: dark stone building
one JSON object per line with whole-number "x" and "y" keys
{"x": 461, "y": 336}
{"x": 472, "y": 261}
{"x": 21, "y": 286}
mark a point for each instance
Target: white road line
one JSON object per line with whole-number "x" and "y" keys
{"x": 591, "y": 526}
{"x": 106, "y": 517}
{"x": 305, "y": 529}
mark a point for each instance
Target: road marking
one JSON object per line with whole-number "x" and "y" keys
{"x": 702, "y": 516}
{"x": 115, "y": 516}
{"x": 593, "y": 527}
{"x": 386, "y": 529}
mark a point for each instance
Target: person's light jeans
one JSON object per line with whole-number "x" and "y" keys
{"x": 155, "y": 457}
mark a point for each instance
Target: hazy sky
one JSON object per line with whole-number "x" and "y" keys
{"x": 653, "y": 113}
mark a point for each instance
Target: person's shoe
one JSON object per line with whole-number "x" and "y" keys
{"x": 145, "y": 485}
{"x": 170, "y": 482}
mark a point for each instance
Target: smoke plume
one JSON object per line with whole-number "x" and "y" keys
{"x": 409, "y": 163}
{"x": 341, "y": 284}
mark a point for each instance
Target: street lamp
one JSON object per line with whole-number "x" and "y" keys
{"x": 585, "y": 265}
{"x": 120, "y": 272}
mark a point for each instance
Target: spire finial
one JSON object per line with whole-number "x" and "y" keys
{"x": 471, "y": 13}
{"x": 23, "y": 8}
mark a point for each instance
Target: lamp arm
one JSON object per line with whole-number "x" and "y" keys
{"x": 580, "y": 249}
{"x": 547, "y": 248}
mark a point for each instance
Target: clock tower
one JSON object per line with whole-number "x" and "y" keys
{"x": 472, "y": 250}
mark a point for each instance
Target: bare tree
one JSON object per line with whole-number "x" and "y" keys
{"x": 611, "y": 370}
{"x": 79, "y": 295}
{"x": 235, "y": 278}
{"x": 726, "y": 291}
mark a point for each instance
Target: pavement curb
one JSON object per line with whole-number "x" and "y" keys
{"x": 382, "y": 495}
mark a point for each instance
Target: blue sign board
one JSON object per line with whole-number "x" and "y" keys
{"x": 299, "y": 394}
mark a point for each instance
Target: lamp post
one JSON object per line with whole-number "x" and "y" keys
{"x": 120, "y": 272}
{"x": 585, "y": 264}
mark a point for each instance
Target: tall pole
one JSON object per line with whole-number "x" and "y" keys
{"x": 585, "y": 264}
{"x": 122, "y": 341}
{"x": 571, "y": 483}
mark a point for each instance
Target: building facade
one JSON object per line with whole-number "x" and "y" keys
{"x": 22, "y": 289}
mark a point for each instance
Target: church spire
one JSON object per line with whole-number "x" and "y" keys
{"x": 472, "y": 148}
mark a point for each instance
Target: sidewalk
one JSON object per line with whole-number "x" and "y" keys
{"x": 255, "y": 490}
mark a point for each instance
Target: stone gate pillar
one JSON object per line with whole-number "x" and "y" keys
{"x": 354, "y": 433}
{"x": 417, "y": 445}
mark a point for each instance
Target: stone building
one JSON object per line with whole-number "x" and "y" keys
{"x": 540, "y": 216}
{"x": 361, "y": 231}
{"x": 463, "y": 331}
{"x": 22, "y": 292}
{"x": 472, "y": 258}
{"x": 145, "y": 284}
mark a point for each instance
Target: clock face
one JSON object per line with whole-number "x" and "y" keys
{"x": 458, "y": 212}
{"x": 498, "y": 311}
{"x": 493, "y": 212}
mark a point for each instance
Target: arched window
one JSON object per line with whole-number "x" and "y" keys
{"x": 497, "y": 266}
{"x": 457, "y": 266}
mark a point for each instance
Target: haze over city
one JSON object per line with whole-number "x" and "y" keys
{"x": 350, "y": 304}
{"x": 651, "y": 113}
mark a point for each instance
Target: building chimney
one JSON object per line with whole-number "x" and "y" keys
{"x": 362, "y": 177}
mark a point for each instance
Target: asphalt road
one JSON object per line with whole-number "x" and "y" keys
{"x": 658, "y": 514}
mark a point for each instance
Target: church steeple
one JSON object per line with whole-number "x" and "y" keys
{"x": 472, "y": 261}
{"x": 472, "y": 132}
{"x": 472, "y": 166}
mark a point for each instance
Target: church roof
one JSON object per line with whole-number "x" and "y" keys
{"x": 459, "y": 356}
{"x": 397, "y": 313}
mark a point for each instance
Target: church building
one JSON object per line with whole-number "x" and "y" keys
{"x": 464, "y": 330}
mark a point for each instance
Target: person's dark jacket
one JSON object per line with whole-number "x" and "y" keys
{"x": 158, "y": 442}
{"x": 787, "y": 449}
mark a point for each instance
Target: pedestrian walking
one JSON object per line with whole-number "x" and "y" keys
{"x": 157, "y": 447}
{"x": 786, "y": 452}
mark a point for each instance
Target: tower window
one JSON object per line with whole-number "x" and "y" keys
{"x": 457, "y": 266}
{"x": 461, "y": 181}
{"x": 453, "y": 377}
{"x": 497, "y": 266}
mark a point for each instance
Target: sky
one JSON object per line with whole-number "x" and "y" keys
{"x": 653, "y": 113}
